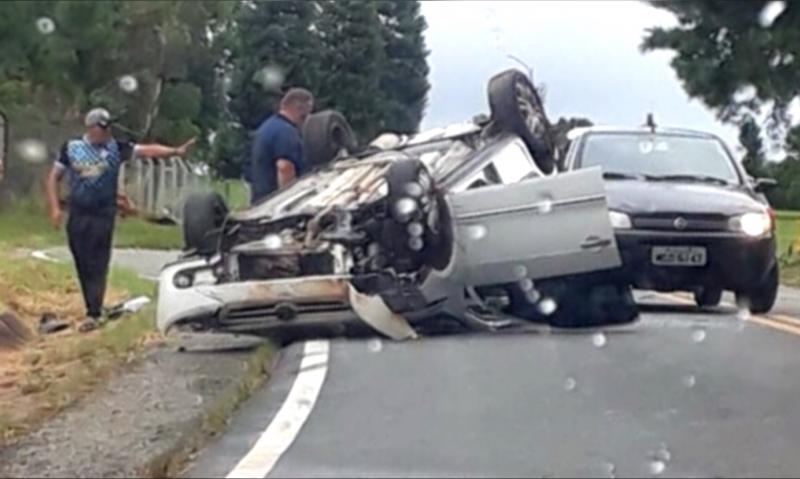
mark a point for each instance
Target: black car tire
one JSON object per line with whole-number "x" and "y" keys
{"x": 203, "y": 215}
{"x": 708, "y": 297}
{"x": 325, "y": 134}
{"x": 581, "y": 302}
{"x": 516, "y": 107}
{"x": 761, "y": 297}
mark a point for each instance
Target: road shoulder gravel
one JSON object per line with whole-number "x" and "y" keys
{"x": 148, "y": 420}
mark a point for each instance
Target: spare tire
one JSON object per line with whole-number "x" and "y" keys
{"x": 325, "y": 134}
{"x": 516, "y": 107}
{"x": 203, "y": 216}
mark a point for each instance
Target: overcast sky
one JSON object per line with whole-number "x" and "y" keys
{"x": 585, "y": 52}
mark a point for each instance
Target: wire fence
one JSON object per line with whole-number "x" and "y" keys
{"x": 159, "y": 188}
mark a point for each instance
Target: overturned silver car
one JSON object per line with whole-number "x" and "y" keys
{"x": 467, "y": 226}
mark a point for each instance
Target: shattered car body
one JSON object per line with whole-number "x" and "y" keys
{"x": 397, "y": 237}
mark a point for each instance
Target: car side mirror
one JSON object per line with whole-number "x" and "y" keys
{"x": 764, "y": 184}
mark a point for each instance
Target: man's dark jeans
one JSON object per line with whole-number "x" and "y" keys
{"x": 90, "y": 236}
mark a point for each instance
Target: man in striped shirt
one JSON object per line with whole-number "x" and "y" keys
{"x": 92, "y": 163}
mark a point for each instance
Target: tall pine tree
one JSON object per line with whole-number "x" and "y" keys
{"x": 735, "y": 57}
{"x": 352, "y": 59}
{"x": 271, "y": 38}
{"x": 404, "y": 76}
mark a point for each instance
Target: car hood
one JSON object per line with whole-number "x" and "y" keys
{"x": 634, "y": 196}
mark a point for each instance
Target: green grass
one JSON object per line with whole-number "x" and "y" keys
{"x": 788, "y": 229}
{"x": 234, "y": 192}
{"x": 61, "y": 369}
{"x": 26, "y": 224}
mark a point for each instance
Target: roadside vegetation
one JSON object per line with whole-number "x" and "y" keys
{"x": 25, "y": 224}
{"x": 51, "y": 372}
{"x": 788, "y": 228}
{"x": 48, "y": 373}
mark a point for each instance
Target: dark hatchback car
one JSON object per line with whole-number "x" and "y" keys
{"x": 686, "y": 215}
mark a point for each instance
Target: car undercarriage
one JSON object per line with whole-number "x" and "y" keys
{"x": 403, "y": 236}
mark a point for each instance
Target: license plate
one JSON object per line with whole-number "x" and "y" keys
{"x": 679, "y": 256}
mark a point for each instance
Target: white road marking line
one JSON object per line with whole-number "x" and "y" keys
{"x": 285, "y": 426}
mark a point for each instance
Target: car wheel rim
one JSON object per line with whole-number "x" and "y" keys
{"x": 527, "y": 106}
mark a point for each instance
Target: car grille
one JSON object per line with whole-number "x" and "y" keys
{"x": 674, "y": 221}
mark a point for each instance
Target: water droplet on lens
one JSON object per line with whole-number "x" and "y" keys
{"x": 375, "y": 345}
{"x": 599, "y": 340}
{"x": 611, "y": 470}
{"x": 770, "y": 13}
{"x": 31, "y": 151}
{"x": 657, "y": 467}
{"x": 546, "y": 205}
{"x": 526, "y": 284}
{"x": 689, "y": 381}
{"x": 699, "y": 335}
{"x": 477, "y": 232}
{"x": 45, "y": 25}
{"x": 520, "y": 271}
{"x": 414, "y": 190}
{"x": 548, "y": 306}
{"x": 743, "y": 314}
{"x": 745, "y": 93}
{"x": 570, "y": 384}
{"x": 533, "y": 296}
{"x": 270, "y": 77}
{"x": 415, "y": 229}
{"x": 128, "y": 83}
{"x": 663, "y": 454}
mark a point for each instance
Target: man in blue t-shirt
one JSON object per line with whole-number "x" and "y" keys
{"x": 277, "y": 154}
{"x": 92, "y": 163}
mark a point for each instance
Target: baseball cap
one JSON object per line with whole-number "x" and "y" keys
{"x": 98, "y": 117}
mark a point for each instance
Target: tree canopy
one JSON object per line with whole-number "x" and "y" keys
{"x": 177, "y": 68}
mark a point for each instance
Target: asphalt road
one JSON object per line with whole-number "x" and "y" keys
{"x": 682, "y": 393}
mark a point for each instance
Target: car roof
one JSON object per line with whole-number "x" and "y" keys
{"x": 576, "y": 133}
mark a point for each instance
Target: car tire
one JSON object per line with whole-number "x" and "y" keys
{"x": 761, "y": 297}
{"x": 203, "y": 215}
{"x": 325, "y": 134}
{"x": 516, "y": 107}
{"x": 708, "y": 297}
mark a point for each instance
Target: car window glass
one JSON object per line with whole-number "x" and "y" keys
{"x": 658, "y": 155}
{"x": 513, "y": 163}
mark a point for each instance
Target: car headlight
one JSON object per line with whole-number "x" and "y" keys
{"x": 620, "y": 221}
{"x": 752, "y": 224}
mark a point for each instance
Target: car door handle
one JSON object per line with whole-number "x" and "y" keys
{"x": 593, "y": 242}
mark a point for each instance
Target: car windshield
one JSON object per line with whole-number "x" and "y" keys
{"x": 659, "y": 156}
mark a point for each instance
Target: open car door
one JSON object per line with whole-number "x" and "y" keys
{"x": 537, "y": 228}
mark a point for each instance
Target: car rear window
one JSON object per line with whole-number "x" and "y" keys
{"x": 657, "y": 155}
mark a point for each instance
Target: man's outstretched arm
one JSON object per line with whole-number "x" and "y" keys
{"x": 155, "y": 150}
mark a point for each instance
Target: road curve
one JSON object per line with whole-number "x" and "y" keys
{"x": 682, "y": 393}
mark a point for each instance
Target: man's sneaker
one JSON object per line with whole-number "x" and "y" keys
{"x": 89, "y": 324}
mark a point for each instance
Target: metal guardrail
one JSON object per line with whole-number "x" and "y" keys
{"x": 159, "y": 188}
